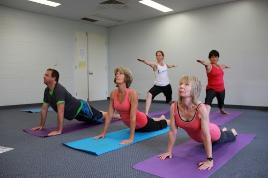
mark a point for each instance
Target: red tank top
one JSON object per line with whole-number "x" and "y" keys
{"x": 193, "y": 127}
{"x": 215, "y": 79}
{"x": 124, "y": 110}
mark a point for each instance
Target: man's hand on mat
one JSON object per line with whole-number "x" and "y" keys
{"x": 205, "y": 165}
{"x": 125, "y": 142}
{"x": 37, "y": 128}
{"x": 164, "y": 156}
{"x": 53, "y": 133}
{"x": 102, "y": 135}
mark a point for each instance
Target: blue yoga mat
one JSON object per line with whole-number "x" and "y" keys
{"x": 111, "y": 141}
{"x": 34, "y": 110}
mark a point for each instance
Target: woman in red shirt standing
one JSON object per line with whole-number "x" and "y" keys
{"x": 215, "y": 73}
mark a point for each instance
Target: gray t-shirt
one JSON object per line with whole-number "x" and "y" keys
{"x": 61, "y": 95}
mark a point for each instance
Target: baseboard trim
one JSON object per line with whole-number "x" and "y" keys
{"x": 261, "y": 108}
{"x": 21, "y": 106}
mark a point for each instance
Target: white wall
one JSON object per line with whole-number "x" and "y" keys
{"x": 30, "y": 43}
{"x": 238, "y": 30}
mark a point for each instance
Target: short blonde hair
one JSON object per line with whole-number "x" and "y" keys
{"x": 196, "y": 87}
{"x": 127, "y": 73}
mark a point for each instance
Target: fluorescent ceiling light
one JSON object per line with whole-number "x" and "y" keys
{"x": 46, "y": 2}
{"x": 156, "y": 5}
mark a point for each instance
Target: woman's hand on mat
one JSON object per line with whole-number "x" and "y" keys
{"x": 102, "y": 135}
{"x": 205, "y": 165}
{"x": 53, "y": 133}
{"x": 125, "y": 142}
{"x": 37, "y": 128}
{"x": 164, "y": 156}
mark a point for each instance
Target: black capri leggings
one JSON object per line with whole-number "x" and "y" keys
{"x": 153, "y": 125}
{"x": 210, "y": 95}
{"x": 167, "y": 90}
{"x": 226, "y": 136}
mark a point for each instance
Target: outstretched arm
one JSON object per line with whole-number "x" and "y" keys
{"x": 108, "y": 118}
{"x": 43, "y": 116}
{"x": 149, "y": 63}
{"x": 206, "y": 64}
{"x": 171, "y": 136}
{"x": 207, "y": 164}
{"x": 60, "y": 118}
{"x": 133, "y": 111}
{"x": 223, "y": 66}
{"x": 171, "y": 65}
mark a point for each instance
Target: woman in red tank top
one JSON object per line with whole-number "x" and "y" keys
{"x": 191, "y": 115}
{"x": 125, "y": 101}
{"x": 215, "y": 86}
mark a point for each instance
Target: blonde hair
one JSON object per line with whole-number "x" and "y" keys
{"x": 127, "y": 73}
{"x": 195, "y": 87}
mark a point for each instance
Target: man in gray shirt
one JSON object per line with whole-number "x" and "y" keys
{"x": 65, "y": 105}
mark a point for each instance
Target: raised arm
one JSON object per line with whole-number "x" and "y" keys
{"x": 171, "y": 65}
{"x": 133, "y": 111}
{"x": 208, "y": 163}
{"x": 207, "y": 64}
{"x": 43, "y": 116}
{"x": 108, "y": 118}
{"x": 223, "y": 66}
{"x": 149, "y": 63}
{"x": 171, "y": 136}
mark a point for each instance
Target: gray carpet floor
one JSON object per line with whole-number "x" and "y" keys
{"x": 47, "y": 157}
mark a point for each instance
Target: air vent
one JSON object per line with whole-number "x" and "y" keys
{"x": 89, "y": 19}
{"x": 112, "y": 2}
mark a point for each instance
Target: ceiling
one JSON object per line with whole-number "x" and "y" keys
{"x": 108, "y": 15}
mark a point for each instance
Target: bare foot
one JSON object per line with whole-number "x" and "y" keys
{"x": 223, "y": 112}
{"x": 234, "y": 132}
{"x": 224, "y": 129}
{"x": 168, "y": 121}
{"x": 116, "y": 116}
{"x": 162, "y": 117}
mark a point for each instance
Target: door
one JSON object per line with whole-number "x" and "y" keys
{"x": 97, "y": 67}
{"x": 81, "y": 70}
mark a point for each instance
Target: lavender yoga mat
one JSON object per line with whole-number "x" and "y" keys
{"x": 217, "y": 118}
{"x": 188, "y": 154}
{"x": 220, "y": 119}
{"x": 74, "y": 126}
{"x": 67, "y": 129}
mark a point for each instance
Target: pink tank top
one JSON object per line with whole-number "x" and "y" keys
{"x": 124, "y": 110}
{"x": 193, "y": 127}
{"x": 215, "y": 79}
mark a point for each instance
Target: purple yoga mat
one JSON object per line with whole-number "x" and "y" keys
{"x": 74, "y": 126}
{"x": 216, "y": 118}
{"x": 220, "y": 119}
{"x": 187, "y": 155}
{"x": 67, "y": 128}
{"x": 159, "y": 113}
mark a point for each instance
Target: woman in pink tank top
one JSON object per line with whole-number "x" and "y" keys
{"x": 215, "y": 86}
{"x": 191, "y": 115}
{"x": 124, "y": 100}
